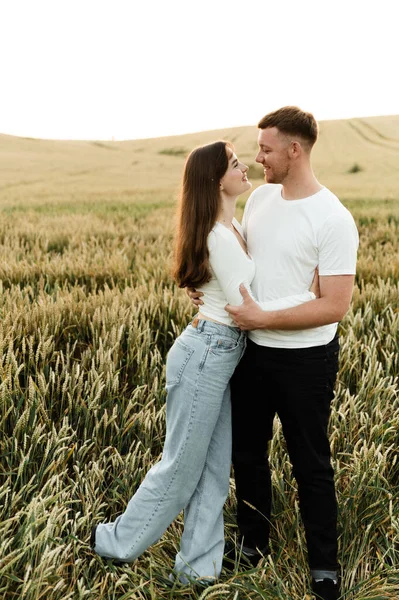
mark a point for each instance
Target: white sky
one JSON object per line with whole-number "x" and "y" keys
{"x": 97, "y": 69}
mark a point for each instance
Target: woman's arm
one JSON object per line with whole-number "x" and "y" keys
{"x": 232, "y": 268}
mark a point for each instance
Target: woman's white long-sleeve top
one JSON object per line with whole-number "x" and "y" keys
{"x": 231, "y": 266}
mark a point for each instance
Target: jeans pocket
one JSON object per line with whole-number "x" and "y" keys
{"x": 244, "y": 347}
{"x": 221, "y": 344}
{"x": 176, "y": 362}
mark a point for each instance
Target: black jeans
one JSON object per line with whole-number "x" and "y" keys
{"x": 297, "y": 385}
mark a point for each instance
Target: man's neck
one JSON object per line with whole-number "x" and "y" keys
{"x": 300, "y": 185}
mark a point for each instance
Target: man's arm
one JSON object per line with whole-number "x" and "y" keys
{"x": 335, "y": 296}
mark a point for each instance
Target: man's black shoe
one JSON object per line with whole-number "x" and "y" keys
{"x": 242, "y": 557}
{"x": 326, "y": 589}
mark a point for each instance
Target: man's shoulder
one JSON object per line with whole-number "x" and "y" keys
{"x": 330, "y": 205}
{"x": 265, "y": 192}
{"x": 327, "y": 197}
{"x": 334, "y": 220}
{"x": 267, "y": 189}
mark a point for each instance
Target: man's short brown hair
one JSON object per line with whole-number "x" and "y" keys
{"x": 291, "y": 120}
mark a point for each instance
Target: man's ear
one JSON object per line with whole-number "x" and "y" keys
{"x": 295, "y": 149}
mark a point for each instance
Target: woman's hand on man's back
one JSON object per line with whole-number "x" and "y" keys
{"x": 194, "y": 296}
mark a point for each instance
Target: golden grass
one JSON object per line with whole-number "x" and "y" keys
{"x": 44, "y": 171}
{"x": 88, "y": 312}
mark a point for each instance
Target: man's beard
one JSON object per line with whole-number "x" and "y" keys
{"x": 276, "y": 176}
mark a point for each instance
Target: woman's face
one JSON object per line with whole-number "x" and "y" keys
{"x": 234, "y": 182}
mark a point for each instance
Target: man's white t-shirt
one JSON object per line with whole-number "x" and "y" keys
{"x": 230, "y": 266}
{"x": 288, "y": 239}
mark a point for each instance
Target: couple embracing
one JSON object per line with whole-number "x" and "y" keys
{"x": 285, "y": 276}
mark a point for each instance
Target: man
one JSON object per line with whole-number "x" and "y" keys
{"x": 292, "y": 225}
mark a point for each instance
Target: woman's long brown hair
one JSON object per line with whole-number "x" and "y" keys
{"x": 197, "y": 212}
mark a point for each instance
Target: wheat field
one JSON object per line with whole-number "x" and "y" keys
{"x": 89, "y": 311}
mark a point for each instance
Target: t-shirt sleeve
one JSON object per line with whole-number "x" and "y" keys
{"x": 338, "y": 244}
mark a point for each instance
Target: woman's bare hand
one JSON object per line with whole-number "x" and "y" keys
{"x": 194, "y": 296}
{"x": 315, "y": 287}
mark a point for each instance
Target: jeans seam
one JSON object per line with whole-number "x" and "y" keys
{"x": 203, "y": 359}
{"x": 161, "y": 500}
{"x": 200, "y": 498}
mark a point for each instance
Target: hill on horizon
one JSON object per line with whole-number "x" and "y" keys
{"x": 356, "y": 158}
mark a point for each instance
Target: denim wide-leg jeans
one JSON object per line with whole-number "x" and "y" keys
{"x": 194, "y": 471}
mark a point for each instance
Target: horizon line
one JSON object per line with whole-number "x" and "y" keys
{"x": 113, "y": 139}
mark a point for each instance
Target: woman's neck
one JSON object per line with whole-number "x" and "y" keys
{"x": 227, "y": 211}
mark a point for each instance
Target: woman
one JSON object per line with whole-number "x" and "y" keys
{"x": 193, "y": 474}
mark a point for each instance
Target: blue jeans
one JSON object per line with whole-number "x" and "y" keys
{"x": 194, "y": 471}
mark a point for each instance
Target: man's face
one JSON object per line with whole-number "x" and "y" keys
{"x": 273, "y": 154}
